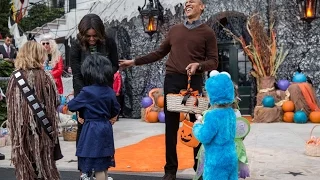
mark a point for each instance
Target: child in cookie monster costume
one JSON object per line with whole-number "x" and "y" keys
{"x": 218, "y": 129}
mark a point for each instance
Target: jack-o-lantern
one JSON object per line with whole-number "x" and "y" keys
{"x": 186, "y": 135}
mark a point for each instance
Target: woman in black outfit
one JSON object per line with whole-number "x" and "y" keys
{"x": 91, "y": 39}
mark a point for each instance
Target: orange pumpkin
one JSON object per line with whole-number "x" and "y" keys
{"x": 315, "y": 116}
{"x": 288, "y": 117}
{"x": 186, "y": 135}
{"x": 152, "y": 117}
{"x": 288, "y": 106}
{"x": 160, "y": 101}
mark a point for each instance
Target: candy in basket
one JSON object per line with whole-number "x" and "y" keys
{"x": 313, "y": 145}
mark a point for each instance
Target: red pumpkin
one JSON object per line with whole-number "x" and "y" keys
{"x": 315, "y": 116}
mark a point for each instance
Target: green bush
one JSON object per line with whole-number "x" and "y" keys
{"x": 5, "y": 71}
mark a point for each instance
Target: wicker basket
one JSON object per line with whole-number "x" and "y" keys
{"x": 69, "y": 133}
{"x": 194, "y": 104}
{"x": 313, "y": 149}
{"x": 174, "y": 104}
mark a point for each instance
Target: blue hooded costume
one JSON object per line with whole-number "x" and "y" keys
{"x": 218, "y": 129}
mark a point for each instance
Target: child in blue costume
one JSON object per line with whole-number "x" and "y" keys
{"x": 243, "y": 128}
{"x": 218, "y": 129}
{"x": 97, "y": 101}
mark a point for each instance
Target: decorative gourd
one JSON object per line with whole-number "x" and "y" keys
{"x": 314, "y": 116}
{"x": 300, "y": 117}
{"x": 288, "y": 117}
{"x": 288, "y": 106}
{"x": 161, "y": 117}
{"x": 299, "y": 77}
{"x": 160, "y": 101}
{"x": 146, "y": 102}
{"x": 152, "y": 117}
{"x": 283, "y": 84}
{"x": 268, "y": 101}
{"x": 186, "y": 134}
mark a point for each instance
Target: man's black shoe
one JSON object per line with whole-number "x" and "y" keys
{"x": 2, "y": 156}
{"x": 169, "y": 177}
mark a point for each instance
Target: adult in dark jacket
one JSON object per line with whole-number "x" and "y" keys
{"x": 91, "y": 39}
{"x": 192, "y": 49}
{"x": 7, "y": 49}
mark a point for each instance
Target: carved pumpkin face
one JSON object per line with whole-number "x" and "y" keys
{"x": 186, "y": 135}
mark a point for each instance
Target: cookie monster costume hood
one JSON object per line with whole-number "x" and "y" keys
{"x": 217, "y": 130}
{"x": 220, "y": 88}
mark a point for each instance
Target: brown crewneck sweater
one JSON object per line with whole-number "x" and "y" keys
{"x": 186, "y": 46}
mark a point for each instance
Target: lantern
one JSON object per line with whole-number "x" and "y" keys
{"x": 151, "y": 16}
{"x": 308, "y": 9}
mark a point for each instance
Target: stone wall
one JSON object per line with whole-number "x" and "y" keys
{"x": 292, "y": 33}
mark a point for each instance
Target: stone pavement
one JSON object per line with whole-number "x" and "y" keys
{"x": 274, "y": 150}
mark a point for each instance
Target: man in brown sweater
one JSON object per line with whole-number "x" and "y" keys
{"x": 192, "y": 48}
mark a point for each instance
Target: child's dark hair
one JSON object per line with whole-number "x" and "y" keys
{"x": 97, "y": 69}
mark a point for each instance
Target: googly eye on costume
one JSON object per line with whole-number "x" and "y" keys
{"x": 213, "y": 73}
{"x": 226, "y": 73}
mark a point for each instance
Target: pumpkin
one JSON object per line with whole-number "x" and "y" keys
{"x": 268, "y": 101}
{"x": 283, "y": 84}
{"x": 152, "y": 117}
{"x": 161, "y": 117}
{"x": 186, "y": 135}
{"x": 300, "y": 117}
{"x": 315, "y": 116}
{"x": 288, "y": 106}
{"x": 288, "y": 117}
{"x": 160, "y": 101}
{"x": 146, "y": 102}
{"x": 299, "y": 77}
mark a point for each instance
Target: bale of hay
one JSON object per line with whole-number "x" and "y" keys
{"x": 267, "y": 115}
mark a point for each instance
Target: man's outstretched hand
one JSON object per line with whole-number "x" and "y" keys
{"x": 126, "y": 63}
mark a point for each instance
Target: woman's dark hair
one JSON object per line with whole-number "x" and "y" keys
{"x": 97, "y": 69}
{"x": 90, "y": 21}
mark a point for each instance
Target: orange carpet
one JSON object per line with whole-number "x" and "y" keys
{"x": 149, "y": 156}
{"x": 249, "y": 118}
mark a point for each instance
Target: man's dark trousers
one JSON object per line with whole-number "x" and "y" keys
{"x": 173, "y": 83}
